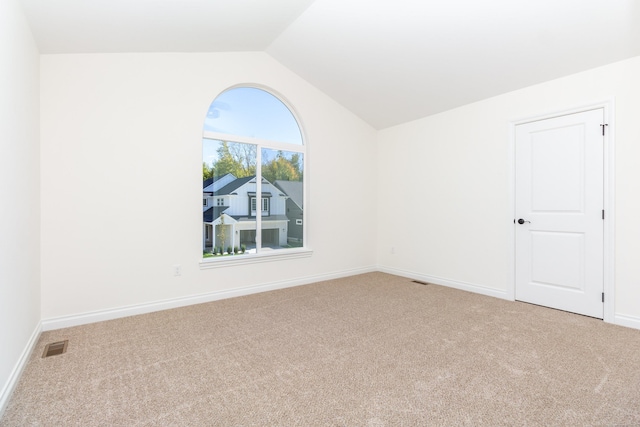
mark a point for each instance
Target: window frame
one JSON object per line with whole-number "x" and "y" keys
{"x": 271, "y": 255}
{"x": 253, "y": 204}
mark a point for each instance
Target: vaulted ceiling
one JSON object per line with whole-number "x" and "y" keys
{"x": 388, "y": 61}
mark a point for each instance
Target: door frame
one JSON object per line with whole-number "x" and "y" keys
{"x": 609, "y": 195}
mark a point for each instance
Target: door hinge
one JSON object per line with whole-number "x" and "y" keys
{"x": 602, "y": 213}
{"x": 603, "y": 126}
{"x": 603, "y": 297}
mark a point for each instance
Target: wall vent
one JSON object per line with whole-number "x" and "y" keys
{"x": 55, "y": 348}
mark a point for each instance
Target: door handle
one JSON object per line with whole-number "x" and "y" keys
{"x": 522, "y": 221}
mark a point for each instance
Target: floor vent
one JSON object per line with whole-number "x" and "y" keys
{"x": 420, "y": 283}
{"x": 55, "y": 348}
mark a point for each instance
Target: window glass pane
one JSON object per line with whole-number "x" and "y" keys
{"x": 229, "y": 184}
{"x": 252, "y": 112}
{"x": 282, "y": 186}
{"x": 243, "y": 211}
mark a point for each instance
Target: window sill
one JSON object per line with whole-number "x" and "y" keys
{"x": 284, "y": 254}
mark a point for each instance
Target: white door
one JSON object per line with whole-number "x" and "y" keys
{"x": 559, "y": 223}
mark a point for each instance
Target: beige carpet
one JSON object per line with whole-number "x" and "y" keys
{"x": 369, "y": 350}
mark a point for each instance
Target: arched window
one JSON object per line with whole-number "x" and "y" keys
{"x": 253, "y": 159}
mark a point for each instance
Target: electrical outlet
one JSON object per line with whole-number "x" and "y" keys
{"x": 177, "y": 270}
{"x": 393, "y": 250}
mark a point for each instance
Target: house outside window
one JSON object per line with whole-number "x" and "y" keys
{"x": 251, "y": 140}
{"x": 265, "y": 206}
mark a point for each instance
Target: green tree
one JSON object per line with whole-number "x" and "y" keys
{"x": 235, "y": 158}
{"x": 207, "y": 172}
{"x": 282, "y": 168}
{"x": 245, "y": 155}
{"x": 296, "y": 162}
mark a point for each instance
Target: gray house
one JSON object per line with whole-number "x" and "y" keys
{"x": 294, "y": 192}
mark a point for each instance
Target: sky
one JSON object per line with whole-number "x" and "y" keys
{"x": 249, "y": 112}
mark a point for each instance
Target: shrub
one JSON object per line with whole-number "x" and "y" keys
{"x": 229, "y": 250}
{"x": 243, "y": 248}
{"x": 236, "y": 250}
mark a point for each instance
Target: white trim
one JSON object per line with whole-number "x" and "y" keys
{"x": 245, "y": 259}
{"x": 610, "y": 214}
{"x": 12, "y": 382}
{"x": 511, "y": 235}
{"x": 627, "y": 321}
{"x": 464, "y": 286}
{"x": 606, "y": 103}
{"x": 609, "y": 200}
{"x": 116, "y": 313}
{"x": 264, "y": 143}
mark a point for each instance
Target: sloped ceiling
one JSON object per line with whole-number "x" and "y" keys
{"x": 388, "y": 61}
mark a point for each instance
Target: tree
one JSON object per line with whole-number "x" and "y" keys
{"x": 282, "y": 168}
{"x": 245, "y": 156}
{"x": 240, "y": 160}
{"x": 221, "y": 234}
{"x": 235, "y": 158}
{"x": 207, "y": 172}
{"x": 295, "y": 161}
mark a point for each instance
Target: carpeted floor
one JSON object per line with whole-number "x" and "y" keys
{"x": 369, "y": 350}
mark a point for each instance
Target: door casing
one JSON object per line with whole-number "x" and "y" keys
{"x": 609, "y": 221}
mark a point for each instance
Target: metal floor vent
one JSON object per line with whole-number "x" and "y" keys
{"x": 420, "y": 283}
{"x": 55, "y": 348}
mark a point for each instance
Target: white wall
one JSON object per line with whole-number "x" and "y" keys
{"x": 121, "y": 179}
{"x": 19, "y": 194}
{"x": 443, "y": 198}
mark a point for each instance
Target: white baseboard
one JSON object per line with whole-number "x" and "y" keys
{"x": 116, "y": 313}
{"x": 628, "y": 321}
{"x": 97, "y": 316}
{"x": 619, "y": 319}
{"x": 470, "y": 287}
{"x": 11, "y": 384}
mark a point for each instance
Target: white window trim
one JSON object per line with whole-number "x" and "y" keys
{"x": 284, "y": 254}
{"x": 263, "y": 143}
{"x": 246, "y": 259}
{"x": 254, "y": 205}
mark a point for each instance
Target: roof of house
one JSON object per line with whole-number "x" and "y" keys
{"x": 293, "y": 189}
{"x": 213, "y": 212}
{"x": 234, "y": 185}
{"x": 207, "y": 182}
{"x": 266, "y": 220}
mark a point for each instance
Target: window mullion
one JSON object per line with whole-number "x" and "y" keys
{"x": 265, "y": 143}
{"x": 237, "y": 146}
{"x": 258, "y": 198}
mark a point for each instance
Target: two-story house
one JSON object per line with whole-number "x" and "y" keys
{"x": 229, "y": 210}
